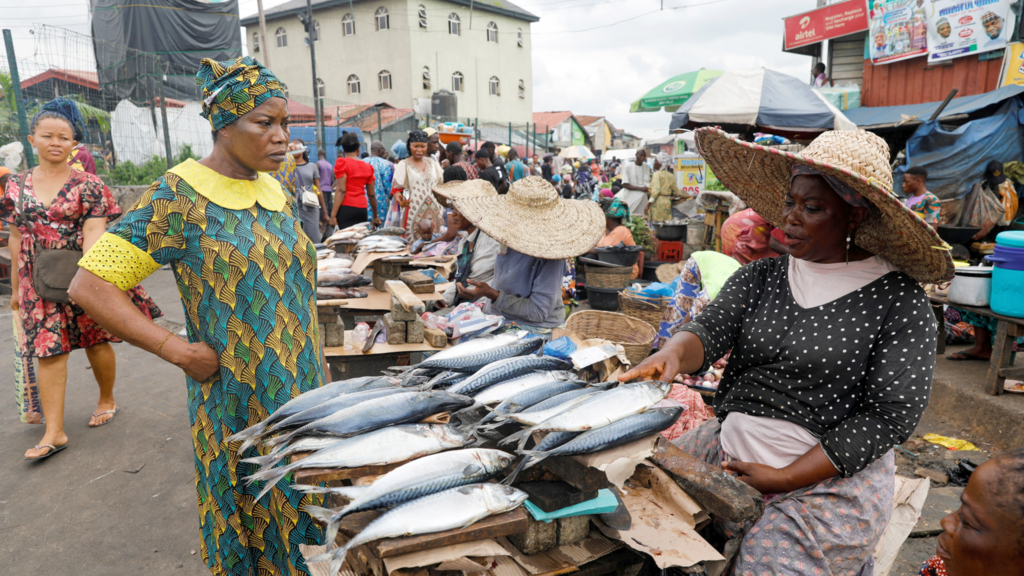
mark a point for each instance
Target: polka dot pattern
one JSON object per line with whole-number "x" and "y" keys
{"x": 856, "y": 371}
{"x": 118, "y": 261}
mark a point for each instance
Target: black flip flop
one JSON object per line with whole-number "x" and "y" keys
{"x": 53, "y": 450}
{"x": 966, "y": 357}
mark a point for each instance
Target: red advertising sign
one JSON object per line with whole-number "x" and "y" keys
{"x": 826, "y": 23}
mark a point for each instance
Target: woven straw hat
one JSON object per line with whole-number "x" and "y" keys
{"x": 468, "y": 188}
{"x": 666, "y": 273}
{"x": 760, "y": 177}
{"x": 534, "y": 220}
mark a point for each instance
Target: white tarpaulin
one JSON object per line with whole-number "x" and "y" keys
{"x": 136, "y": 140}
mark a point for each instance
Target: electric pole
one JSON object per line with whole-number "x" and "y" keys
{"x": 317, "y": 104}
{"x": 263, "y": 34}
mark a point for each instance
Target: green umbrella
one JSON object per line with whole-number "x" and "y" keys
{"x": 674, "y": 92}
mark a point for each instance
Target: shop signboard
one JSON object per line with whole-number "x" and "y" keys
{"x": 691, "y": 174}
{"x": 1013, "y": 66}
{"x": 963, "y": 27}
{"x": 898, "y": 29}
{"x": 825, "y": 23}
{"x": 579, "y": 137}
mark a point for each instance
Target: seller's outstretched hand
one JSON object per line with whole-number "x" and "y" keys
{"x": 663, "y": 366}
{"x": 476, "y": 290}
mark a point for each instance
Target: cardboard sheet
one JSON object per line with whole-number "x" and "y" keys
{"x": 384, "y": 348}
{"x": 377, "y": 300}
{"x": 909, "y": 496}
{"x": 322, "y": 568}
{"x": 619, "y": 463}
{"x": 564, "y": 559}
{"x": 364, "y": 259}
{"x": 444, "y": 264}
{"x": 663, "y": 521}
{"x": 455, "y": 555}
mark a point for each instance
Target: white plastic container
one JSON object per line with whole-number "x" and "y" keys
{"x": 972, "y": 286}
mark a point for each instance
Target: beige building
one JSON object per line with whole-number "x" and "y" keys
{"x": 400, "y": 51}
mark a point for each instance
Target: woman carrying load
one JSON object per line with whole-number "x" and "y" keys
{"x": 833, "y": 348}
{"x": 246, "y": 273}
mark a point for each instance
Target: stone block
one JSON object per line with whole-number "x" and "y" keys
{"x": 399, "y": 313}
{"x": 335, "y": 334}
{"x": 378, "y": 282}
{"x": 394, "y": 329}
{"x": 573, "y": 529}
{"x": 414, "y": 331}
{"x": 388, "y": 270}
{"x": 436, "y": 338}
{"x": 538, "y": 537}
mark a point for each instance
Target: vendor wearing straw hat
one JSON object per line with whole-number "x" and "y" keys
{"x": 476, "y": 250}
{"x": 833, "y": 348}
{"x": 537, "y": 231}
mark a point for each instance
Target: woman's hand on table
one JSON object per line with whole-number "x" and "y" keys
{"x": 476, "y": 290}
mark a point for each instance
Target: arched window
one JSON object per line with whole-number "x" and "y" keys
{"x": 423, "y": 16}
{"x": 492, "y": 32}
{"x": 454, "y": 24}
{"x": 255, "y": 41}
{"x": 519, "y": 37}
{"x": 382, "y": 18}
{"x": 321, "y": 88}
{"x": 282, "y": 37}
{"x": 426, "y": 78}
{"x": 348, "y": 25}
{"x": 495, "y": 86}
{"x": 316, "y": 30}
{"x": 522, "y": 89}
{"x": 353, "y": 84}
{"x": 384, "y": 80}
{"x": 284, "y": 88}
{"x": 457, "y": 82}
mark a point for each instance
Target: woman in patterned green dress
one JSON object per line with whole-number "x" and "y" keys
{"x": 246, "y": 275}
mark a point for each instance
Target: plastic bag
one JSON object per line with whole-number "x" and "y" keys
{"x": 656, "y": 290}
{"x": 983, "y": 209}
{"x": 434, "y": 322}
{"x": 360, "y": 334}
{"x": 560, "y": 348}
{"x": 960, "y": 474}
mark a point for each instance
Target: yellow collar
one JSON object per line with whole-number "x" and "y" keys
{"x": 230, "y": 193}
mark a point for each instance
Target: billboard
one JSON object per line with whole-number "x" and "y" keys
{"x": 1013, "y": 66}
{"x": 826, "y": 23}
{"x": 897, "y": 29}
{"x": 963, "y": 27}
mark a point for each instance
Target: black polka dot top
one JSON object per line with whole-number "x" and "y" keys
{"x": 856, "y": 372}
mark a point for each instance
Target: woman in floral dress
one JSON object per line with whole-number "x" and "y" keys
{"x": 59, "y": 208}
{"x": 417, "y": 175}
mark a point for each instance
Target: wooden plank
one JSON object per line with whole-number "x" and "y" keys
{"x": 716, "y": 491}
{"x": 405, "y": 296}
{"x": 582, "y": 477}
{"x": 1002, "y": 355}
{"x": 331, "y": 302}
{"x": 316, "y": 475}
{"x": 506, "y": 524}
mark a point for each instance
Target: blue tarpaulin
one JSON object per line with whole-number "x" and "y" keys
{"x": 888, "y": 116}
{"x": 956, "y": 159}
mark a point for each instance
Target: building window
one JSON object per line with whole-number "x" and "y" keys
{"x": 454, "y": 24}
{"x": 282, "y": 37}
{"x": 284, "y": 88}
{"x": 522, "y": 89}
{"x": 255, "y": 41}
{"x": 423, "y": 16}
{"x": 321, "y": 88}
{"x": 316, "y": 30}
{"x": 457, "y": 81}
{"x": 382, "y": 18}
{"x": 353, "y": 84}
{"x": 495, "y": 86}
{"x": 519, "y": 37}
{"x": 384, "y": 80}
{"x": 348, "y": 25}
{"x": 492, "y": 32}
{"x": 426, "y": 78}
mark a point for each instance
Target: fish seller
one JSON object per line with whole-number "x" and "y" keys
{"x": 833, "y": 348}
{"x": 537, "y": 231}
{"x": 247, "y": 278}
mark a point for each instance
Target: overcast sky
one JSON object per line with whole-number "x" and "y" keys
{"x": 593, "y": 57}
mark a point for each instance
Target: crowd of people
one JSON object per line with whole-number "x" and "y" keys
{"x": 238, "y": 228}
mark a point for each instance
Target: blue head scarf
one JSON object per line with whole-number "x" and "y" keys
{"x": 66, "y": 109}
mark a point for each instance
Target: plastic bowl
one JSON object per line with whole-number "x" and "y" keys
{"x": 606, "y": 299}
{"x": 957, "y": 235}
{"x": 619, "y": 255}
{"x": 670, "y": 232}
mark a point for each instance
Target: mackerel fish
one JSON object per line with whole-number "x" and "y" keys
{"x": 503, "y": 370}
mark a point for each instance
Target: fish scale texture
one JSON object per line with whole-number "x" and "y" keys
{"x": 247, "y": 280}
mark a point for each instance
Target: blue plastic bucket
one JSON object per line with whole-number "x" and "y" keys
{"x": 1008, "y": 274}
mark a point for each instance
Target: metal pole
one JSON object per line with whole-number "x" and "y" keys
{"x": 526, "y": 136}
{"x": 263, "y": 34}
{"x": 319, "y": 129}
{"x": 509, "y": 134}
{"x": 163, "y": 116}
{"x": 942, "y": 106}
{"x": 12, "y": 62}
{"x": 380, "y": 126}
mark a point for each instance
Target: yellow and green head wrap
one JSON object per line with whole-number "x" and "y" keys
{"x": 233, "y": 88}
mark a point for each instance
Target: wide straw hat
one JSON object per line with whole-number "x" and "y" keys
{"x": 666, "y": 273}
{"x": 761, "y": 177}
{"x": 534, "y": 220}
{"x": 468, "y": 188}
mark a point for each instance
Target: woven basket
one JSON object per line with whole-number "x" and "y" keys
{"x": 635, "y": 337}
{"x": 604, "y": 277}
{"x": 649, "y": 309}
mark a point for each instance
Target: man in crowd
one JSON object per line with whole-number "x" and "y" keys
{"x": 516, "y": 169}
{"x": 636, "y": 177}
{"x": 326, "y": 179}
{"x": 456, "y": 158}
{"x": 490, "y": 172}
{"x": 545, "y": 169}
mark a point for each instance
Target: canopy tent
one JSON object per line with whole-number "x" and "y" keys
{"x": 762, "y": 99}
{"x": 883, "y": 117}
{"x": 581, "y": 152}
{"x": 674, "y": 92}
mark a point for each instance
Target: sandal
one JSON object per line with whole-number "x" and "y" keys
{"x": 962, "y": 356}
{"x": 98, "y": 414}
{"x": 53, "y": 450}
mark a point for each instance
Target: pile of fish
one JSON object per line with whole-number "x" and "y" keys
{"x": 489, "y": 385}
{"x": 334, "y": 283}
{"x": 382, "y": 243}
{"x": 349, "y": 235}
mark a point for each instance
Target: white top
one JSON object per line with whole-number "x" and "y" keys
{"x": 636, "y": 175}
{"x": 481, "y": 265}
{"x": 778, "y": 443}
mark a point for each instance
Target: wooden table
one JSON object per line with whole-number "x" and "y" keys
{"x": 352, "y": 363}
{"x": 1008, "y": 330}
{"x": 381, "y": 301}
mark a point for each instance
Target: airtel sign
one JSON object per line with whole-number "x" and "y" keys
{"x": 825, "y": 23}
